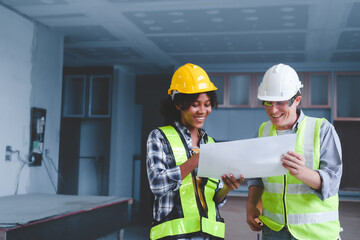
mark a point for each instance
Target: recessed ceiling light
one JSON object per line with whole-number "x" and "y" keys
{"x": 148, "y": 22}
{"x": 140, "y": 15}
{"x": 288, "y": 17}
{"x": 179, "y": 21}
{"x": 288, "y": 24}
{"x": 251, "y": 18}
{"x": 155, "y": 28}
{"x": 217, "y": 20}
{"x": 212, "y": 12}
{"x": 287, "y": 9}
{"x": 48, "y": 1}
{"x": 248, "y": 11}
{"x": 176, "y": 13}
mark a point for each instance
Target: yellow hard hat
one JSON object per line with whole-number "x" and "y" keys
{"x": 190, "y": 79}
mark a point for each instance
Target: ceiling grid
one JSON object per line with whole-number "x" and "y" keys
{"x": 152, "y": 36}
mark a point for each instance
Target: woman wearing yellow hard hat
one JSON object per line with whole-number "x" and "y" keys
{"x": 185, "y": 206}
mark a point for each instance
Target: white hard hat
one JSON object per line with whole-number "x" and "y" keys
{"x": 280, "y": 83}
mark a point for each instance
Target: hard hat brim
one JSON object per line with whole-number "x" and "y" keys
{"x": 193, "y": 92}
{"x": 274, "y": 98}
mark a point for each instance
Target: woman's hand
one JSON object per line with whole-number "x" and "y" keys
{"x": 187, "y": 167}
{"x": 231, "y": 182}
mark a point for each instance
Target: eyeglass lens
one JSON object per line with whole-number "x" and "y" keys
{"x": 276, "y": 104}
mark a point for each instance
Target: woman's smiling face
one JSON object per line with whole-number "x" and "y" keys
{"x": 194, "y": 117}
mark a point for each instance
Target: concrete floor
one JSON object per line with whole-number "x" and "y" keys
{"x": 234, "y": 213}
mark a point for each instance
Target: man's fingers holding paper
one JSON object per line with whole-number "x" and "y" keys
{"x": 293, "y": 162}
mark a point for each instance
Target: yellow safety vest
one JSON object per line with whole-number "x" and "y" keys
{"x": 192, "y": 220}
{"x": 287, "y": 200}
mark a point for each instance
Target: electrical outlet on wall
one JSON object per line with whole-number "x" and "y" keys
{"x": 37, "y": 135}
{"x": 8, "y": 153}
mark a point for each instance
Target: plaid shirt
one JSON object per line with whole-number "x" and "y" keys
{"x": 163, "y": 174}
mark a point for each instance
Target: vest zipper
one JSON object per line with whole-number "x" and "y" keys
{"x": 202, "y": 211}
{"x": 284, "y": 191}
{"x": 189, "y": 154}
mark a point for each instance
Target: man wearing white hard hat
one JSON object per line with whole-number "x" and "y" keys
{"x": 303, "y": 204}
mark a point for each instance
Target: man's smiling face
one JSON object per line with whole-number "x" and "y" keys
{"x": 281, "y": 115}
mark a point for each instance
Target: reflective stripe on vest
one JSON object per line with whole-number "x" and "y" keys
{"x": 192, "y": 221}
{"x": 307, "y": 216}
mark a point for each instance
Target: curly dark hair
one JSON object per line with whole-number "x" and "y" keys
{"x": 184, "y": 101}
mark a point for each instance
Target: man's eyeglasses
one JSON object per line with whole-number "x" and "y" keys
{"x": 281, "y": 104}
{"x": 276, "y": 104}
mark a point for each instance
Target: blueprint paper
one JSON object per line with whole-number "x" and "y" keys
{"x": 255, "y": 157}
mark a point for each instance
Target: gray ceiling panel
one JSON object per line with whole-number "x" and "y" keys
{"x": 60, "y": 17}
{"x": 156, "y": 35}
{"x": 346, "y": 57}
{"x": 349, "y": 40}
{"x": 122, "y": 1}
{"x": 243, "y": 58}
{"x": 230, "y": 43}
{"x": 86, "y": 34}
{"x": 221, "y": 20}
{"x": 354, "y": 17}
{"x": 34, "y": 2}
{"x": 111, "y": 53}
{"x": 145, "y": 67}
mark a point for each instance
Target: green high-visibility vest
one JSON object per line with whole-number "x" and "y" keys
{"x": 287, "y": 200}
{"x": 192, "y": 221}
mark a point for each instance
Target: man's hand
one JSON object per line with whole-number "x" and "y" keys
{"x": 295, "y": 163}
{"x": 252, "y": 211}
{"x": 252, "y": 218}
